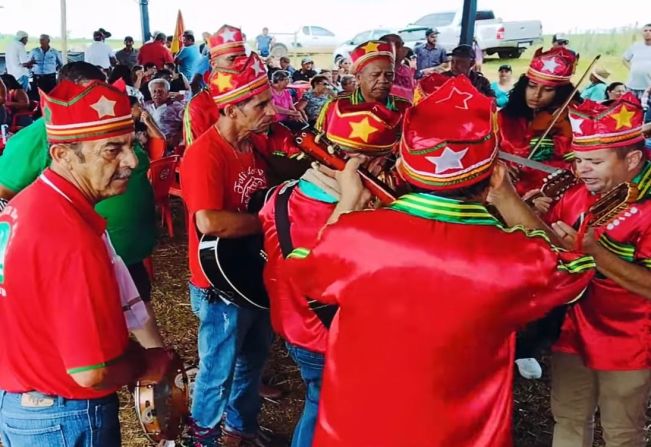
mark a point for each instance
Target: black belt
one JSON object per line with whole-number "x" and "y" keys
{"x": 45, "y": 75}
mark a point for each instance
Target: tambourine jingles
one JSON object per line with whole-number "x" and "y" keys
{"x": 162, "y": 408}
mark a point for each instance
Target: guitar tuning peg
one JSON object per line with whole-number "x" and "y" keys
{"x": 300, "y": 156}
{"x": 331, "y": 149}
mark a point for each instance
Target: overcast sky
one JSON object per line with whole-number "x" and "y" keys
{"x": 343, "y": 17}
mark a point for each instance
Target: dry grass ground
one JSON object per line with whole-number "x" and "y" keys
{"x": 532, "y": 417}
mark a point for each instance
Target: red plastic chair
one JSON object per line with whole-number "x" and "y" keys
{"x": 30, "y": 112}
{"x": 162, "y": 175}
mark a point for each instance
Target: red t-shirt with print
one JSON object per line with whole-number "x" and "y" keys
{"x": 216, "y": 176}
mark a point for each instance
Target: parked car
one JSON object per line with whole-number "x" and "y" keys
{"x": 413, "y": 36}
{"x": 344, "y": 49}
{"x": 507, "y": 39}
{"x": 307, "y": 38}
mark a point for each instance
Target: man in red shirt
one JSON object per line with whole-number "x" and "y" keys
{"x": 422, "y": 292}
{"x": 64, "y": 343}
{"x": 219, "y": 173}
{"x": 602, "y": 358}
{"x": 201, "y": 112}
{"x": 294, "y": 216}
{"x": 155, "y": 52}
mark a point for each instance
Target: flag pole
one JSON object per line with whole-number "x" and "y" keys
{"x": 64, "y": 32}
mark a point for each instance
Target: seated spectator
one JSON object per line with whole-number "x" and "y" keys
{"x": 306, "y": 72}
{"x": 313, "y": 101}
{"x": 614, "y": 91}
{"x": 122, "y": 72}
{"x": 15, "y": 100}
{"x": 502, "y": 87}
{"x": 283, "y": 102}
{"x": 149, "y": 73}
{"x": 178, "y": 82}
{"x": 167, "y": 113}
{"x": 147, "y": 132}
{"x": 285, "y": 64}
{"x": 332, "y": 88}
{"x": 348, "y": 84}
{"x": 597, "y": 88}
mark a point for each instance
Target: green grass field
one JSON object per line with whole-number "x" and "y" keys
{"x": 610, "y": 45}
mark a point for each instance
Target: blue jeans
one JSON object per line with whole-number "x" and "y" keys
{"x": 59, "y": 422}
{"x": 233, "y": 345}
{"x": 310, "y": 365}
{"x": 24, "y": 82}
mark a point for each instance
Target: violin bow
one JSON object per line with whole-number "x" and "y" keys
{"x": 567, "y": 102}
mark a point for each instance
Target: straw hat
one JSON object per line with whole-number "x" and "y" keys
{"x": 601, "y": 73}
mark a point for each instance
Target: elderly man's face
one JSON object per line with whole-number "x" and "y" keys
{"x": 102, "y": 168}
{"x": 256, "y": 115}
{"x": 159, "y": 93}
{"x": 375, "y": 80}
{"x": 461, "y": 65}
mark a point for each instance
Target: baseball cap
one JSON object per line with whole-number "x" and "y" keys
{"x": 306, "y": 60}
{"x": 560, "y": 38}
{"x": 21, "y": 35}
{"x": 465, "y": 51}
{"x": 431, "y": 31}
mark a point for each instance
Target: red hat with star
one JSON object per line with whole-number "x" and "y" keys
{"x": 449, "y": 140}
{"x": 370, "y": 51}
{"x": 228, "y": 40}
{"x": 611, "y": 125}
{"x": 369, "y": 127}
{"x": 96, "y": 111}
{"x": 246, "y": 78}
{"x": 554, "y": 67}
{"x": 428, "y": 85}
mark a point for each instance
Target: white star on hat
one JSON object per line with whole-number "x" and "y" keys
{"x": 228, "y": 35}
{"x": 576, "y": 125}
{"x": 465, "y": 97}
{"x": 104, "y": 107}
{"x": 257, "y": 67}
{"x": 449, "y": 159}
{"x": 550, "y": 64}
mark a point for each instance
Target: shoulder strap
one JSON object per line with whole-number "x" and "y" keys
{"x": 283, "y": 225}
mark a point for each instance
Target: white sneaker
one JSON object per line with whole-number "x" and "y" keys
{"x": 529, "y": 368}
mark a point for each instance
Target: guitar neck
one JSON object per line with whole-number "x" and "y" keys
{"x": 307, "y": 142}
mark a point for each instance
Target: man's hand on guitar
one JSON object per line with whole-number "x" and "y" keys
{"x": 568, "y": 236}
{"x": 353, "y": 193}
{"x": 541, "y": 204}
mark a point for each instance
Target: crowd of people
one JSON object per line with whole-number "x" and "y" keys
{"x": 393, "y": 303}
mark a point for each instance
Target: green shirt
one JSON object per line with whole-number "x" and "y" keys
{"x": 131, "y": 219}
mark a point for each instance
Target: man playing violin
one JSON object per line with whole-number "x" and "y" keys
{"x": 64, "y": 342}
{"x": 602, "y": 357}
{"x": 416, "y": 282}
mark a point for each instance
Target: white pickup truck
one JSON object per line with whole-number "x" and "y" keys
{"x": 507, "y": 39}
{"x": 315, "y": 39}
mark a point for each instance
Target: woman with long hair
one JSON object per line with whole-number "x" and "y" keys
{"x": 532, "y": 105}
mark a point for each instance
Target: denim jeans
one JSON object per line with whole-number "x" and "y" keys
{"x": 233, "y": 345}
{"x": 310, "y": 365}
{"x": 63, "y": 423}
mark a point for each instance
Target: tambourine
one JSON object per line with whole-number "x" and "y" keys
{"x": 163, "y": 407}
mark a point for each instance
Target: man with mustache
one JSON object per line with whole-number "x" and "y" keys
{"x": 219, "y": 173}
{"x": 602, "y": 356}
{"x": 66, "y": 349}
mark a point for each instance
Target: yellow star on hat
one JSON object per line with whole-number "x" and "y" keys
{"x": 104, "y": 107}
{"x": 362, "y": 130}
{"x": 371, "y": 46}
{"x": 223, "y": 81}
{"x": 623, "y": 118}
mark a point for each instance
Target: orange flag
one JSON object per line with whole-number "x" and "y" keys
{"x": 178, "y": 33}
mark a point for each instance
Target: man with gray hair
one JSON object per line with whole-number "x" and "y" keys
{"x": 17, "y": 60}
{"x": 166, "y": 112}
{"x": 47, "y": 61}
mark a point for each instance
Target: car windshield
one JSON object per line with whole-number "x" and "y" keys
{"x": 412, "y": 35}
{"x": 436, "y": 20}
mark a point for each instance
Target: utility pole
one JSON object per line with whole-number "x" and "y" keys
{"x": 64, "y": 32}
{"x": 468, "y": 21}
{"x": 144, "y": 20}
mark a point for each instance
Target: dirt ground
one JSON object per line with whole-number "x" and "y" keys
{"x": 532, "y": 417}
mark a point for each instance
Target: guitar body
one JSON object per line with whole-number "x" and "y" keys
{"x": 235, "y": 265}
